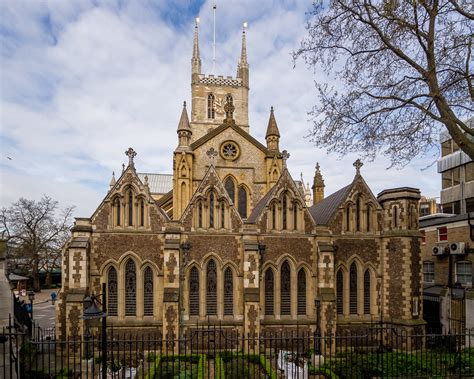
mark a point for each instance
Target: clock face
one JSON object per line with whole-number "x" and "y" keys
{"x": 230, "y": 150}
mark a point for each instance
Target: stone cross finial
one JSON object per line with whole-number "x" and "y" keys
{"x": 123, "y": 167}
{"x": 358, "y": 164}
{"x": 211, "y": 154}
{"x": 317, "y": 167}
{"x": 285, "y": 155}
{"x": 130, "y": 153}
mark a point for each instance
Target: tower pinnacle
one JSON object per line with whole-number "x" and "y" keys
{"x": 318, "y": 185}
{"x": 184, "y": 130}
{"x": 243, "y": 66}
{"x": 273, "y": 134}
{"x": 196, "y": 59}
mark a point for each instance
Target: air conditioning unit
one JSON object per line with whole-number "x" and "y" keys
{"x": 457, "y": 248}
{"x": 440, "y": 250}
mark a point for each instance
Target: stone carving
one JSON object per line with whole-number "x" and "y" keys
{"x": 252, "y": 269}
{"x": 171, "y": 265}
{"x": 130, "y": 153}
{"x": 170, "y": 320}
{"x": 77, "y": 267}
{"x": 252, "y": 318}
{"x": 327, "y": 269}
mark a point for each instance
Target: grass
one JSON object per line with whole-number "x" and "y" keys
{"x": 192, "y": 366}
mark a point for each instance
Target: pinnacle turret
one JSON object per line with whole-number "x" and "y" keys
{"x": 318, "y": 185}
{"x": 243, "y": 66}
{"x": 196, "y": 59}
{"x": 273, "y": 134}
{"x": 184, "y": 129}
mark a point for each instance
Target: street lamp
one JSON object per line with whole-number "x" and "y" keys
{"x": 31, "y": 297}
{"x": 92, "y": 312}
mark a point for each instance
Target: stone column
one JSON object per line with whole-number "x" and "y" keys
{"x": 251, "y": 293}
{"x": 171, "y": 292}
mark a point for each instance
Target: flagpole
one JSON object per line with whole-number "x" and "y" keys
{"x": 214, "y": 43}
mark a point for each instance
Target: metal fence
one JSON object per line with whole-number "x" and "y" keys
{"x": 223, "y": 352}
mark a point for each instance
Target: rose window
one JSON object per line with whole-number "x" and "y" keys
{"x": 229, "y": 150}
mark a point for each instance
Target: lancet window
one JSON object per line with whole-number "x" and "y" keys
{"x": 295, "y": 215}
{"x": 353, "y": 289}
{"x": 284, "y": 210}
{"x": 130, "y": 288}
{"x": 230, "y": 188}
{"x": 228, "y": 292}
{"x": 211, "y": 288}
{"x": 340, "y": 292}
{"x": 358, "y": 210}
{"x": 211, "y": 210}
{"x": 148, "y": 292}
{"x": 142, "y": 212}
{"x": 130, "y": 208}
{"x": 194, "y": 292}
{"x": 367, "y": 292}
{"x": 301, "y": 292}
{"x": 269, "y": 292}
{"x": 242, "y": 202}
{"x": 117, "y": 211}
{"x": 222, "y": 215}
{"x": 112, "y": 298}
{"x": 211, "y": 112}
{"x": 285, "y": 289}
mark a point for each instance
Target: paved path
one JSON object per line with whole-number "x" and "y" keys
{"x": 43, "y": 310}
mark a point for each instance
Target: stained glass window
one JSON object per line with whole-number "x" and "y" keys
{"x": 285, "y": 289}
{"x": 367, "y": 292}
{"x": 148, "y": 292}
{"x": 269, "y": 291}
{"x": 130, "y": 288}
{"x": 228, "y": 292}
{"x": 242, "y": 202}
{"x": 112, "y": 298}
{"x": 340, "y": 292}
{"x": 353, "y": 289}
{"x": 230, "y": 188}
{"x": 301, "y": 292}
{"x": 142, "y": 213}
{"x": 211, "y": 288}
{"x": 194, "y": 292}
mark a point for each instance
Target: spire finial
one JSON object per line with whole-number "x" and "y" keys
{"x": 317, "y": 167}
{"x": 112, "y": 181}
{"x": 243, "y": 53}
{"x": 130, "y": 153}
{"x": 285, "y": 155}
{"x": 196, "y": 40}
{"x": 358, "y": 164}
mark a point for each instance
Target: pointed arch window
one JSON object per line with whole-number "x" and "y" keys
{"x": 269, "y": 292}
{"x": 358, "y": 210}
{"x": 243, "y": 202}
{"x": 222, "y": 215}
{"x": 228, "y": 292}
{"x": 130, "y": 288}
{"x": 211, "y": 210}
{"x": 130, "y": 208}
{"x": 230, "y": 188}
{"x": 148, "y": 292}
{"x": 369, "y": 217}
{"x": 395, "y": 216}
{"x": 200, "y": 215}
{"x": 211, "y": 288}
{"x": 340, "y": 292}
{"x": 348, "y": 218}
{"x": 285, "y": 289}
{"x": 274, "y": 216}
{"x": 194, "y": 292}
{"x": 142, "y": 213}
{"x": 367, "y": 292}
{"x": 112, "y": 298}
{"x": 353, "y": 289}
{"x": 117, "y": 210}
{"x": 211, "y": 112}
{"x": 284, "y": 213}
{"x": 302, "y": 292}
{"x": 295, "y": 215}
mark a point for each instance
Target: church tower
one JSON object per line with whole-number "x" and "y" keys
{"x": 210, "y": 93}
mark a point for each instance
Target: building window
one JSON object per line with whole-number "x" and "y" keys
{"x": 395, "y": 216}
{"x": 469, "y": 172}
{"x": 358, "y": 214}
{"x": 348, "y": 218}
{"x": 130, "y": 208}
{"x": 353, "y": 289}
{"x": 269, "y": 291}
{"x": 446, "y": 148}
{"x": 117, "y": 209}
{"x": 301, "y": 292}
{"x": 285, "y": 289}
{"x": 211, "y": 112}
{"x": 222, "y": 216}
{"x": 367, "y": 292}
{"x": 211, "y": 210}
{"x": 194, "y": 292}
{"x": 470, "y": 204}
{"x": 112, "y": 298}
{"x": 211, "y": 288}
{"x": 442, "y": 234}
{"x": 340, "y": 292}
{"x": 130, "y": 289}
{"x": 295, "y": 216}
{"x": 284, "y": 213}
{"x": 428, "y": 272}
{"x": 200, "y": 215}
{"x": 274, "y": 216}
{"x": 148, "y": 292}
{"x": 230, "y": 188}
{"x": 142, "y": 213}
{"x": 228, "y": 292}
{"x": 456, "y": 176}
{"x": 464, "y": 273}
{"x": 368, "y": 217}
{"x": 243, "y": 202}
{"x": 423, "y": 237}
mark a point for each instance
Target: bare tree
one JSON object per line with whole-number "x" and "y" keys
{"x": 404, "y": 69}
{"x": 37, "y": 232}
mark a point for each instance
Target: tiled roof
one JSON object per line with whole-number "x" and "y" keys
{"x": 260, "y": 205}
{"x": 158, "y": 183}
{"x": 323, "y": 211}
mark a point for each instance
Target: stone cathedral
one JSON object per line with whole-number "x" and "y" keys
{"x": 231, "y": 239}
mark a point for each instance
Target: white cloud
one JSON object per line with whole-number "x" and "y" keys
{"x": 83, "y": 82}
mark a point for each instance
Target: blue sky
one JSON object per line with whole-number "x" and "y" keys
{"x": 81, "y": 81}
